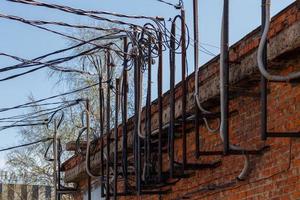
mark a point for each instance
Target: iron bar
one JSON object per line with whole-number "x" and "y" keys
{"x": 235, "y": 152}
{"x": 196, "y": 65}
{"x": 283, "y": 134}
{"x": 101, "y": 125}
{"x": 160, "y": 106}
{"x": 116, "y": 140}
{"x": 89, "y": 188}
{"x": 108, "y": 125}
{"x": 55, "y": 161}
{"x": 124, "y": 116}
{"x": 184, "y": 87}
{"x": 224, "y": 75}
{"x": 139, "y": 156}
{"x": 136, "y": 144}
{"x": 148, "y": 113}
{"x": 87, "y": 118}
{"x": 263, "y": 82}
{"x": 101, "y": 102}
{"x": 172, "y": 99}
{"x": 135, "y": 121}
{"x": 58, "y": 167}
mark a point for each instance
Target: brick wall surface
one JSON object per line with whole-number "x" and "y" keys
{"x": 275, "y": 174}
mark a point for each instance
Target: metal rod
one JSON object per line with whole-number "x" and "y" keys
{"x": 139, "y": 156}
{"x": 116, "y": 140}
{"x": 263, "y": 82}
{"x": 160, "y": 106}
{"x": 101, "y": 125}
{"x": 235, "y": 152}
{"x": 89, "y": 188}
{"x": 196, "y": 65}
{"x": 87, "y": 118}
{"x": 172, "y": 99}
{"x": 136, "y": 119}
{"x": 284, "y": 134}
{"x": 108, "y": 125}
{"x": 184, "y": 87}
{"x": 101, "y": 104}
{"x": 58, "y": 166}
{"x": 55, "y": 160}
{"x": 148, "y": 111}
{"x": 224, "y": 75}
{"x": 124, "y": 117}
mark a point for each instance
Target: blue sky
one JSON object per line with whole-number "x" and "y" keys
{"x": 28, "y": 42}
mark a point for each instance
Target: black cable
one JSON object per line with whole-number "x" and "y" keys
{"x": 48, "y": 98}
{"x": 176, "y": 6}
{"x": 21, "y": 125}
{"x": 42, "y": 104}
{"x": 28, "y": 22}
{"x": 25, "y": 64}
{"x": 27, "y": 119}
{"x": 50, "y": 54}
{"x": 64, "y": 24}
{"x": 25, "y": 145}
{"x": 81, "y": 12}
{"x": 49, "y": 64}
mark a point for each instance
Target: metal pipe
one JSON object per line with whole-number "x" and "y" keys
{"x": 224, "y": 92}
{"x": 224, "y": 77}
{"x": 58, "y": 167}
{"x": 148, "y": 113}
{"x": 88, "y": 147}
{"x": 135, "y": 122}
{"x": 101, "y": 127}
{"x": 160, "y": 106}
{"x": 261, "y": 50}
{"x": 139, "y": 156}
{"x": 116, "y": 140}
{"x": 89, "y": 188}
{"x": 184, "y": 87}
{"x": 108, "y": 125}
{"x": 55, "y": 160}
{"x": 172, "y": 99}
{"x": 199, "y": 108}
{"x": 101, "y": 138}
{"x": 136, "y": 116}
{"x": 196, "y": 65}
{"x": 124, "y": 117}
{"x": 263, "y": 81}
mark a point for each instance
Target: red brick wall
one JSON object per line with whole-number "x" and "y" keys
{"x": 276, "y": 173}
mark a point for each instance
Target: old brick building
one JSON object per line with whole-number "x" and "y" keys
{"x": 275, "y": 173}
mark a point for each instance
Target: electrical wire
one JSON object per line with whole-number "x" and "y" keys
{"x": 25, "y": 145}
{"x": 49, "y": 64}
{"x": 28, "y": 22}
{"x": 35, "y": 63}
{"x": 64, "y": 24}
{"x": 48, "y": 98}
{"x": 34, "y": 115}
{"x": 81, "y": 11}
{"x": 91, "y": 14}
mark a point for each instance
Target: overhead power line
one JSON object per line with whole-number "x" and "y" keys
{"x": 48, "y": 98}
{"x": 91, "y": 14}
{"x": 25, "y": 145}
